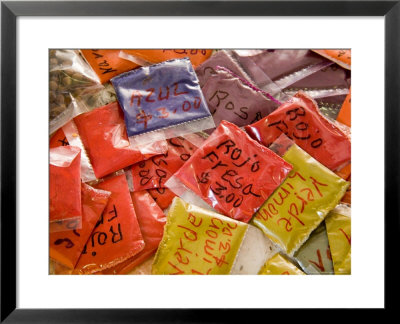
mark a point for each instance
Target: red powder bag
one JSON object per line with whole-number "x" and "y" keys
{"x": 116, "y": 236}
{"x": 153, "y": 173}
{"x": 162, "y": 196}
{"x": 231, "y": 172}
{"x": 151, "y": 221}
{"x": 300, "y": 120}
{"x": 196, "y": 56}
{"x": 58, "y": 139}
{"x": 103, "y": 134}
{"x": 107, "y": 63}
{"x": 66, "y": 247}
{"x": 65, "y": 186}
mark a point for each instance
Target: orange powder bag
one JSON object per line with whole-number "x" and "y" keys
{"x": 116, "y": 236}
{"x": 344, "y": 116}
{"x": 58, "y": 139}
{"x": 107, "y": 63}
{"x": 66, "y": 246}
{"x": 151, "y": 221}
{"x": 196, "y": 56}
{"x": 65, "y": 186}
{"x": 162, "y": 196}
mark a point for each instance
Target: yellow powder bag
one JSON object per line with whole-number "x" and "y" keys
{"x": 338, "y": 227}
{"x": 199, "y": 241}
{"x": 280, "y": 265}
{"x": 302, "y": 202}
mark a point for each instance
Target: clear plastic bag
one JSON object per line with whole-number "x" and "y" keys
{"x": 162, "y": 101}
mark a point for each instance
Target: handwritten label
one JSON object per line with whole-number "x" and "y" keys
{"x": 229, "y": 99}
{"x": 197, "y": 241}
{"x": 280, "y": 265}
{"x": 67, "y": 246}
{"x": 116, "y": 235}
{"x": 160, "y": 96}
{"x": 154, "y": 172}
{"x": 299, "y": 205}
{"x": 300, "y": 120}
{"x": 162, "y": 196}
{"x": 107, "y": 63}
{"x": 58, "y": 139}
{"x": 233, "y": 173}
{"x": 338, "y": 228}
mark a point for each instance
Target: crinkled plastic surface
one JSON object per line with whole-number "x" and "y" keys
{"x": 338, "y": 227}
{"x": 196, "y": 56}
{"x": 151, "y": 221}
{"x": 233, "y": 173}
{"x": 339, "y": 56}
{"x": 103, "y": 134}
{"x": 197, "y": 241}
{"x": 314, "y": 256}
{"x": 231, "y": 99}
{"x": 154, "y": 172}
{"x": 65, "y": 183}
{"x": 344, "y": 116}
{"x": 66, "y": 246}
{"x": 280, "y": 265}
{"x": 116, "y": 236}
{"x": 107, "y": 63}
{"x": 301, "y": 121}
{"x": 221, "y": 58}
{"x": 162, "y": 196}
{"x": 159, "y": 97}
{"x": 301, "y": 203}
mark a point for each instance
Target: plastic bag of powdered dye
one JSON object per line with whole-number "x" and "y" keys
{"x": 231, "y": 172}
{"x": 196, "y": 56}
{"x": 107, "y": 63}
{"x": 234, "y": 99}
{"x": 116, "y": 236}
{"x": 300, "y": 119}
{"x": 339, "y": 56}
{"x": 198, "y": 241}
{"x": 67, "y": 246}
{"x": 154, "y": 172}
{"x": 151, "y": 221}
{"x": 65, "y": 188}
{"x": 162, "y": 101}
{"x": 338, "y": 227}
{"x": 101, "y": 134}
{"x": 303, "y": 200}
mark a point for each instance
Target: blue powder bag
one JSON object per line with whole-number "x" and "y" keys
{"x": 162, "y": 101}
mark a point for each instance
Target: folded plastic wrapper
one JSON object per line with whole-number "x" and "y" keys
{"x": 282, "y": 73}
{"x": 314, "y": 256}
{"x": 154, "y": 172}
{"x": 234, "y": 99}
{"x": 198, "y": 241}
{"x": 153, "y": 56}
{"x": 300, "y": 120}
{"x": 107, "y": 63}
{"x": 162, "y": 101}
{"x": 338, "y": 227}
{"x": 101, "y": 134}
{"x": 65, "y": 188}
{"x": 339, "y": 56}
{"x": 280, "y": 265}
{"x": 151, "y": 221}
{"x": 230, "y": 172}
{"x": 116, "y": 236}
{"x": 303, "y": 200}
{"x": 66, "y": 246}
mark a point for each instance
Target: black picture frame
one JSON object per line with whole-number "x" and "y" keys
{"x": 10, "y": 10}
